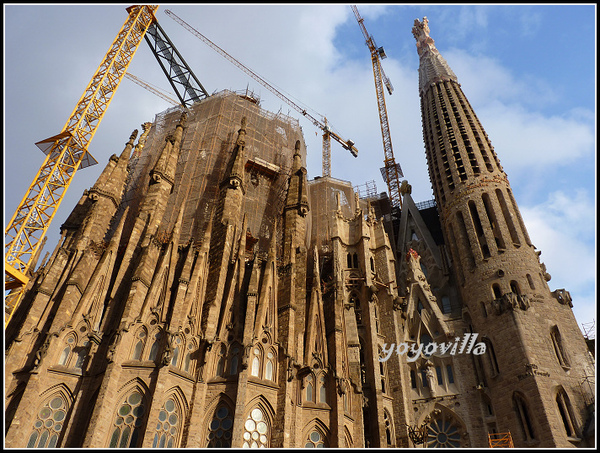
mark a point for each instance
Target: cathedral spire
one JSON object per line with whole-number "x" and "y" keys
{"x": 297, "y": 196}
{"x": 236, "y": 176}
{"x": 433, "y": 67}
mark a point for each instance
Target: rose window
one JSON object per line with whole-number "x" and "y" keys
{"x": 443, "y": 434}
{"x": 256, "y": 430}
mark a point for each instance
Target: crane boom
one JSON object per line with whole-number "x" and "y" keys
{"x": 346, "y": 144}
{"x": 181, "y": 77}
{"x": 151, "y": 88}
{"x": 391, "y": 171}
{"x": 66, "y": 153}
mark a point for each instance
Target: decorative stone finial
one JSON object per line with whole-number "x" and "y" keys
{"x": 421, "y": 29}
{"x": 432, "y": 68}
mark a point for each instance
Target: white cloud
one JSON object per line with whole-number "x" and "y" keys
{"x": 511, "y": 109}
{"x": 563, "y": 228}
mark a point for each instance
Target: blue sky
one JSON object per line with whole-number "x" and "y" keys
{"x": 529, "y": 71}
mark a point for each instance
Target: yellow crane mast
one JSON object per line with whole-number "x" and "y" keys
{"x": 392, "y": 171}
{"x": 66, "y": 153}
{"x": 328, "y": 132}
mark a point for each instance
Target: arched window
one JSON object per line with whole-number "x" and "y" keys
{"x": 514, "y": 287}
{"x": 322, "y": 390}
{"x": 221, "y": 360}
{"x": 155, "y": 347}
{"x": 558, "y": 348}
{"x": 309, "y": 388}
{"x": 49, "y": 423}
{"x": 220, "y": 428}
{"x": 269, "y": 366}
{"x": 566, "y": 412}
{"x": 491, "y": 357}
{"x": 66, "y": 353}
{"x": 256, "y": 363}
{"x": 349, "y": 260}
{"x": 139, "y": 345}
{"x": 64, "y": 357}
{"x": 315, "y": 440}
{"x": 81, "y": 355}
{"x": 168, "y": 426}
{"x": 355, "y": 260}
{"x": 126, "y": 430}
{"x": 235, "y": 359}
{"x": 178, "y": 345}
{"x": 525, "y": 422}
{"x": 530, "y": 281}
{"x": 496, "y": 290}
{"x": 256, "y": 430}
{"x": 187, "y": 360}
{"x": 382, "y": 372}
{"x": 387, "y": 420}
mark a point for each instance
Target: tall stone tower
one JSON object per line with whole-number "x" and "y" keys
{"x": 537, "y": 358}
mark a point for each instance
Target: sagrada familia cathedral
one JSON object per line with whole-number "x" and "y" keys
{"x": 205, "y": 293}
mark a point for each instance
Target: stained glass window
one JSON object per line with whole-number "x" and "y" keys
{"x": 256, "y": 430}
{"x": 128, "y": 422}
{"x": 168, "y": 425}
{"x": 442, "y": 433}
{"x": 48, "y": 424}
{"x": 220, "y": 428}
{"x": 315, "y": 440}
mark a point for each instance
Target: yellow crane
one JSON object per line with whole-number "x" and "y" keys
{"x": 328, "y": 132}
{"x": 65, "y": 154}
{"x": 391, "y": 171}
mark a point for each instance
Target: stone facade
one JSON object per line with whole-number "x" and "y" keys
{"x": 204, "y": 293}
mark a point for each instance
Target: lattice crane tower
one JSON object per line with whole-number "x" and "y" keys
{"x": 392, "y": 171}
{"x": 66, "y": 153}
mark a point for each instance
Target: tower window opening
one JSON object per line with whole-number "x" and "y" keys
{"x": 496, "y": 290}
{"x": 564, "y": 408}
{"x": 514, "y": 287}
{"x": 508, "y": 218}
{"x": 465, "y": 239}
{"x": 479, "y": 230}
{"x": 559, "y": 348}
{"x": 530, "y": 281}
{"x": 491, "y": 215}
{"x": 520, "y": 407}
{"x": 491, "y": 357}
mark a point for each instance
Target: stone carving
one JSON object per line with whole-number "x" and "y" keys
{"x": 563, "y": 296}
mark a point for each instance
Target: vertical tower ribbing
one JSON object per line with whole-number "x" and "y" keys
{"x": 502, "y": 282}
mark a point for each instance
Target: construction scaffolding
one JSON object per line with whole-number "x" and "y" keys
{"x": 500, "y": 440}
{"x": 207, "y": 145}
